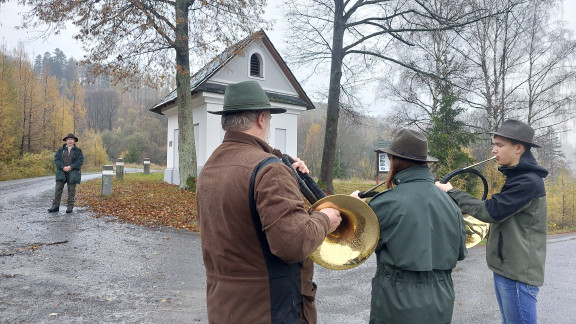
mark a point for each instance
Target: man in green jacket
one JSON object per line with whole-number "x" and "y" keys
{"x": 68, "y": 161}
{"x": 516, "y": 244}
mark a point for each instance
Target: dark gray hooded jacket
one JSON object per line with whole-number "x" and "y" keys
{"x": 516, "y": 244}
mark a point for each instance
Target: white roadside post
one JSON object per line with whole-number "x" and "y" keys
{"x": 107, "y": 176}
{"x": 146, "y": 166}
{"x": 119, "y": 169}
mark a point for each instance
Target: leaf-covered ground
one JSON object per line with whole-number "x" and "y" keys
{"x": 148, "y": 200}
{"x": 141, "y": 199}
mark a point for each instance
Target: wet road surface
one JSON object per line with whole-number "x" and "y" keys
{"x": 74, "y": 268}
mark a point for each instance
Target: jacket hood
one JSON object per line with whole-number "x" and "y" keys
{"x": 527, "y": 163}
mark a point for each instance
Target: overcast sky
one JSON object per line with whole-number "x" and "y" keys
{"x": 10, "y": 17}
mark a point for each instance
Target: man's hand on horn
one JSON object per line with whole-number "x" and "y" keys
{"x": 299, "y": 165}
{"x": 444, "y": 186}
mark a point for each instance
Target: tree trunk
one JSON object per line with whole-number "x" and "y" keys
{"x": 333, "y": 113}
{"x": 186, "y": 145}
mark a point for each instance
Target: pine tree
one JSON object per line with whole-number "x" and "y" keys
{"x": 550, "y": 154}
{"x": 448, "y": 137}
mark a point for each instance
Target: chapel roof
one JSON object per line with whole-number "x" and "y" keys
{"x": 200, "y": 81}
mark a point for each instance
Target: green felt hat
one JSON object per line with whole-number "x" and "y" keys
{"x": 411, "y": 145}
{"x": 246, "y": 96}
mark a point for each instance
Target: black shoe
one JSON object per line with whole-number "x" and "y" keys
{"x": 69, "y": 210}
{"x": 54, "y": 209}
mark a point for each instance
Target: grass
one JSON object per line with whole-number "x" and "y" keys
{"x": 148, "y": 200}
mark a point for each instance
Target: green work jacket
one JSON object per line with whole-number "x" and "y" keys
{"x": 421, "y": 228}
{"x": 75, "y": 175}
{"x": 422, "y": 236}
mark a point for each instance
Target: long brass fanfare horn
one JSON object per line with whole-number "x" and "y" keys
{"x": 475, "y": 230}
{"x": 356, "y": 237}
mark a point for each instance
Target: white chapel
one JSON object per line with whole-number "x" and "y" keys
{"x": 253, "y": 58}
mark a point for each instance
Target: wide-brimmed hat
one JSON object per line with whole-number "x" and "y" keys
{"x": 518, "y": 131}
{"x": 409, "y": 144}
{"x": 246, "y": 96}
{"x": 70, "y": 136}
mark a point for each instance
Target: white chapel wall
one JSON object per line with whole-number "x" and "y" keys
{"x": 208, "y": 127}
{"x": 238, "y": 70}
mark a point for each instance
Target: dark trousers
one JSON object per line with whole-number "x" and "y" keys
{"x": 58, "y": 193}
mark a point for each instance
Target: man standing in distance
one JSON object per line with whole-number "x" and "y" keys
{"x": 68, "y": 161}
{"x": 516, "y": 244}
{"x": 256, "y": 232}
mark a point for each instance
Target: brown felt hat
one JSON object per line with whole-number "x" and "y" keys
{"x": 409, "y": 144}
{"x": 518, "y": 131}
{"x": 70, "y": 136}
{"x": 246, "y": 96}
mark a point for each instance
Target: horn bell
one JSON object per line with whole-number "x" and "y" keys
{"x": 354, "y": 240}
{"x": 476, "y": 230}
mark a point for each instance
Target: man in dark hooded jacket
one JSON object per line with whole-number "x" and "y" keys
{"x": 516, "y": 244}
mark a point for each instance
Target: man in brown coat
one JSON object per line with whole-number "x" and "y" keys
{"x": 256, "y": 232}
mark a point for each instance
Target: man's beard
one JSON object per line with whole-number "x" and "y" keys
{"x": 267, "y": 134}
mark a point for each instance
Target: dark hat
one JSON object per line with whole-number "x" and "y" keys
{"x": 409, "y": 144}
{"x": 518, "y": 131}
{"x": 70, "y": 136}
{"x": 246, "y": 96}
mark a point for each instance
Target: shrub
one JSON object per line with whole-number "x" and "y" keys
{"x": 28, "y": 165}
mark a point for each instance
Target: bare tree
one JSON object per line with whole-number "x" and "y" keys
{"x": 546, "y": 101}
{"x": 103, "y": 105}
{"x": 352, "y": 36}
{"x": 520, "y": 63}
{"x": 416, "y": 96}
{"x": 516, "y": 65}
{"x": 124, "y": 38}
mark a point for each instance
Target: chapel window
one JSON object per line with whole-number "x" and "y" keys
{"x": 256, "y": 65}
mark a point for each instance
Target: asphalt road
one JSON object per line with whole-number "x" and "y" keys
{"x": 74, "y": 268}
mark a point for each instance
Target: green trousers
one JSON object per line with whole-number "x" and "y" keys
{"x": 58, "y": 193}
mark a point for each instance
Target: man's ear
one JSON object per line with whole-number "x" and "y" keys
{"x": 261, "y": 120}
{"x": 519, "y": 148}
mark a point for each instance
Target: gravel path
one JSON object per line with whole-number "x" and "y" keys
{"x": 74, "y": 268}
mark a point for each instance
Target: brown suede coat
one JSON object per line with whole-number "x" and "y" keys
{"x": 236, "y": 272}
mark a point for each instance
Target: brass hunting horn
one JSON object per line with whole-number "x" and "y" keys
{"x": 476, "y": 230}
{"x": 356, "y": 237}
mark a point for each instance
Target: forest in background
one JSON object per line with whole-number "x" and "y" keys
{"x": 455, "y": 82}
{"x": 43, "y": 100}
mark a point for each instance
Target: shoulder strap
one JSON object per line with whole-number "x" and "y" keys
{"x": 257, "y": 169}
{"x": 283, "y": 277}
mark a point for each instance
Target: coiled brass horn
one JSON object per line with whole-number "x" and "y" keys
{"x": 356, "y": 237}
{"x": 476, "y": 230}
